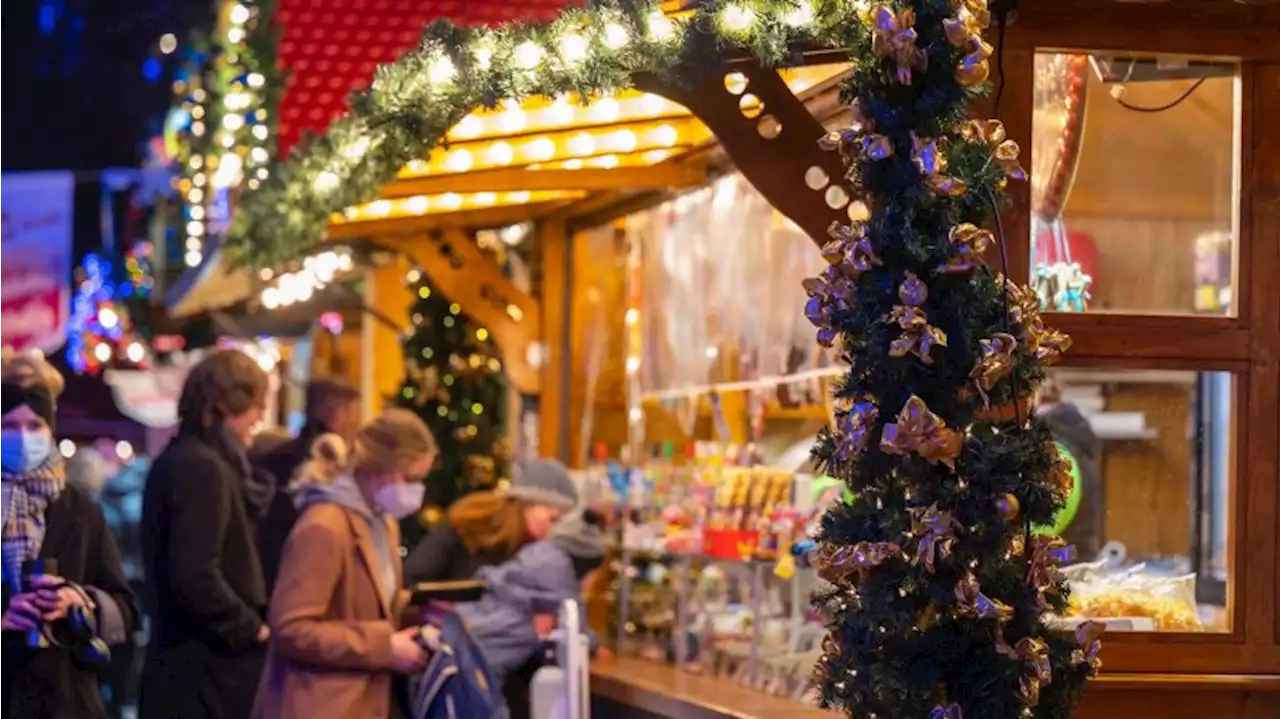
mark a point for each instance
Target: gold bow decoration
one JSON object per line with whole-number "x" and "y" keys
{"x": 1045, "y": 343}
{"x": 480, "y": 470}
{"x": 972, "y": 603}
{"x": 923, "y": 432}
{"x": 950, "y": 710}
{"x": 974, "y": 66}
{"x": 1060, "y": 473}
{"x": 859, "y": 140}
{"x": 1033, "y": 652}
{"x": 1089, "y": 651}
{"x": 853, "y": 429}
{"x": 849, "y": 249}
{"x": 1047, "y": 552}
{"x": 995, "y": 364}
{"x": 829, "y": 296}
{"x": 932, "y": 163}
{"x": 968, "y": 242}
{"x": 836, "y": 563}
{"x": 1004, "y": 151}
{"x": 895, "y": 38}
{"x": 937, "y": 531}
{"x": 964, "y": 30}
{"x": 918, "y": 336}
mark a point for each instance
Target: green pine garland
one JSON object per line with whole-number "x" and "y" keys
{"x": 413, "y": 102}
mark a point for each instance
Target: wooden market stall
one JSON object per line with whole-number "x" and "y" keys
{"x": 1144, "y": 191}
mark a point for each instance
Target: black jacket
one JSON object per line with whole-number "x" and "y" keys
{"x": 442, "y": 556}
{"x": 205, "y": 587}
{"x": 47, "y": 683}
{"x": 273, "y": 529}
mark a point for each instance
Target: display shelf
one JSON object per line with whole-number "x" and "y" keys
{"x": 668, "y": 692}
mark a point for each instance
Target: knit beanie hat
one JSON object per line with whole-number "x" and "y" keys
{"x": 581, "y": 536}
{"x": 546, "y": 482}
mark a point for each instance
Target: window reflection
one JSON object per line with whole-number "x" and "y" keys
{"x": 1133, "y": 177}
{"x": 1149, "y": 513}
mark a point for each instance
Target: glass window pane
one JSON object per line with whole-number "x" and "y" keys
{"x": 1149, "y": 515}
{"x": 1134, "y": 177}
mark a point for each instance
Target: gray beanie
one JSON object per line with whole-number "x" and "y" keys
{"x": 547, "y": 482}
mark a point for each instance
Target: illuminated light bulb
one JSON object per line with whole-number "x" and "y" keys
{"x": 633, "y": 364}
{"x": 236, "y": 101}
{"x": 632, "y": 316}
{"x": 651, "y": 104}
{"x": 605, "y": 109}
{"x": 665, "y": 136}
{"x": 483, "y": 54}
{"x": 458, "y": 161}
{"x": 500, "y": 153}
{"x": 559, "y": 113}
{"x": 653, "y": 157}
{"x": 135, "y": 353}
{"x": 168, "y": 43}
{"x": 711, "y": 352}
{"x": 271, "y": 298}
{"x": 485, "y": 199}
{"x": 67, "y": 448}
{"x": 635, "y": 414}
{"x": 266, "y": 361}
{"x": 266, "y": 273}
{"x": 660, "y": 27}
{"x": 108, "y": 318}
{"x": 228, "y": 142}
{"x": 417, "y": 205}
{"x": 540, "y": 149}
{"x": 194, "y": 244}
{"x": 469, "y": 127}
{"x": 573, "y": 164}
{"x": 519, "y": 198}
{"x": 623, "y": 141}
{"x": 233, "y": 122}
{"x": 379, "y": 208}
{"x": 800, "y": 15}
{"x": 608, "y": 162}
{"x": 736, "y": 18}
{"x": 198, "y": 179}
{"x": 197, "y": 128}
{"x": 482, "y": 334}
{"x": 192, "y": 258}
{"x": 239, "y": 14}
{"x": 441, "y": 70}
{"x": 573, "y": 48}
{"x": 260, "y": 132}
{"x": 195, "y": 228}
{"x": 345, "y": 263}
{"x": 512, "y": 119}
{"x": 195, "y": 195}
{"x": 259, "y": 155}
{"x": 197, "y": 213}
{"x": 197, "y": 113}
{"x": 356, "y": 150}
{"x": 102, "y": 351}
{"x": 255, "y": 80}
{"x": 235, "y": 35}
{"x": 450, "y": 201}
{"x": 326, "y": 181}
{"x": 261, "y": 174}
{"x": 582, "y": 144}
{"x": 196, "y": 161}
{"x": 229, "y": 172}
{"x": 615, "y": 36}
{"x": 528, "y": 55}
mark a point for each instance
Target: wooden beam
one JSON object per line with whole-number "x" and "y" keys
{"x": 467, "y": 276}
{"x": 775, "y": 165}
{"x": 419, "y": 224}
{"x": 555, "y": 244}
{"x": 673, "y": 174}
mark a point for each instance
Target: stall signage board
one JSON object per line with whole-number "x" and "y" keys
{"x": 35, "y": 259}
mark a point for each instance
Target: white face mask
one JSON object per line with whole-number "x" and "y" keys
{"x": 400, "y": 499}
{"x": 22, "y": 452}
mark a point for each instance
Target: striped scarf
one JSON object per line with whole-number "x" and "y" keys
{"x": 26, "y": 497}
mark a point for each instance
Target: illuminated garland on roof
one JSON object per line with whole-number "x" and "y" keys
{"x": 412, "y": 103}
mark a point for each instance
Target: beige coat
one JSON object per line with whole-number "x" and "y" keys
{"x": 331, "y": 625}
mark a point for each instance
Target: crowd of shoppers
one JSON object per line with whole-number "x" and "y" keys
{"x": 273, "y": 582}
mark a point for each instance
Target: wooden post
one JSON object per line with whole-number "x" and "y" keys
{"x": 557, "y": 361}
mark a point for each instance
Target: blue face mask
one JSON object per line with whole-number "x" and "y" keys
{"x": 21, "y": 452}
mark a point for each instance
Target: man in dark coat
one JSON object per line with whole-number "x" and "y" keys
{"x": 332, "y": 406}
{"x": 204, "y": 579}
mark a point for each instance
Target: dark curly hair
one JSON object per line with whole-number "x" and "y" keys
{"x": 225, "y": 384}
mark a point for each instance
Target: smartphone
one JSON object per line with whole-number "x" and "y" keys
{"x": 467, "y": 590}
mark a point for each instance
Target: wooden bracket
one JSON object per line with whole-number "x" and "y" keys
{"x": 774, "y": 142}
{"x": 464, "y": 274}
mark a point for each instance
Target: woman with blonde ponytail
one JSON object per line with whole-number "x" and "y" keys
{"x": 336, "y": 636}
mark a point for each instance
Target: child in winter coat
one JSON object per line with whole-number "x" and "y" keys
{"x": 532, "y": 585}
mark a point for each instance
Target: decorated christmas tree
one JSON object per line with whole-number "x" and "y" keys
{"x": 939, "y": 586}
{"x": 454, "y": 381}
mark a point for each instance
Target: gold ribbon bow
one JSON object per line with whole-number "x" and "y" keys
{"x": 1045, "y": 343}
{"x": 1004, "y": 151}
{"x": 936, "y": 529}
{"x": 996, "y": 363}
{"x": 1047, "y": 552}
{"x": 895, "y": 38}
{"x": 921, "y": 431}
{"x": 836, "y": 562}
{"x": 853, "y": 429}
{"x": 972, "y": 603}
{"x": 932, "y": 163}
{"x": 1089, "y": 639}
{"x": 1060, "y": 473}
{"x": 850, "y": 249}
{"x": 1033, "y": 652}
{"x": 970, "y": 18}
{"x": 829, "y": 296}
{"x": 968, "y": 242}
{"x": 918, "y": 336}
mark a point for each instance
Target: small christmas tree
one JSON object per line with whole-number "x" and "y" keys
{"x": 939, "y": 587}
{"x": 454, "y": 381}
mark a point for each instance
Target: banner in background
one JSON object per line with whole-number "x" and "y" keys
{"x": 35, "y": 259}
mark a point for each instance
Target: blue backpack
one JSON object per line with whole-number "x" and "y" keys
{"x": 456, "y": 683}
